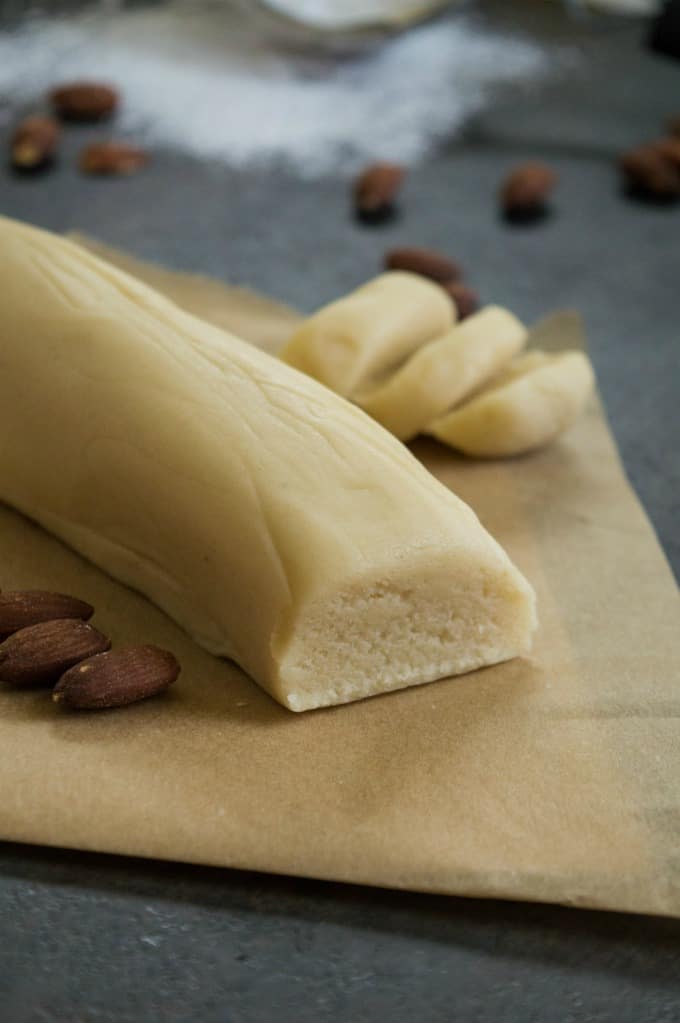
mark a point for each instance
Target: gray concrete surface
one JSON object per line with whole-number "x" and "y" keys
{"x": 88, "y": 938}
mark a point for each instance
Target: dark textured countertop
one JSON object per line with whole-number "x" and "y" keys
{"x": 93, "y": 938}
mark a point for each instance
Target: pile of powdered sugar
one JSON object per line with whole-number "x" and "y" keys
{"x": 204, "y": 78}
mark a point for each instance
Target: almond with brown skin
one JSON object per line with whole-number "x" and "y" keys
{"x": 466, "y": 300}
{"x": 117, "y": 679}
{"x": 376, "y": 190}
{"x": 525, "y": 191}
{"x": 20, "y": 608}
{"x": 669, "y": 148}
{"x": 35, "y": 143}
{"x": 425, "y": 262}
{"x": 84, "y": 101}
{"x": 112, "y": 158}
{"x": 648, "y": 172}
{"x": 39, "y": 654}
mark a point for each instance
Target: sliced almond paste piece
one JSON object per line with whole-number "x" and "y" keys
{"x": 353, "y": 343}
{"x": 445, "y": 371}
{"x": 527, "y": 405}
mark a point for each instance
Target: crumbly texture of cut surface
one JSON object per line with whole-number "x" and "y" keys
{"x": 528, "y": 405}
{"x": 444, "y": 371}
{"x": 263, "y": 513}
{"x": 351, "y": 344}
{"x": 390, "y": 635}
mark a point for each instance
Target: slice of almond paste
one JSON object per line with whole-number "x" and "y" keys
{"x": 276, "y": 522}
{"x": 445, "y": 371}
{"x": 531, "y": 402}
{"x": 354, "y": 342}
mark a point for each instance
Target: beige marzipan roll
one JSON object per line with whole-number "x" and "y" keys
{"x": 273, "y": 520}
{"x": 444, "y": 371}
{"x": 353, "y": 342}
{"x": 529, "y": 404}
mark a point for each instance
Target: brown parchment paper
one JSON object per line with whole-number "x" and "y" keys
{"x": 555, "y": 778}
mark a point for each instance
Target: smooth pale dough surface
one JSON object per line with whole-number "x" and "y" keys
{"x": 353, "y": 342}
{"x": 276, "y": 522}
{"x": 531, "y": 402}
{"x": 251, "y": 316}
{"x": 444, "y": 371}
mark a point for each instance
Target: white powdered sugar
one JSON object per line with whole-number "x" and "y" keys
{"x": 204, "y": 78}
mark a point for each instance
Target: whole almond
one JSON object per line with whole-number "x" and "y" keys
{"x": 35, "y": 143}
{"x": 669, "y": 148}
{"x": 376, "y": 190}
{"x": 112, "y": 158}
{"x": 426, "y": 262}
{"x": 39, "y": 654}
{"x": 117, "y": 679}
{"x": 20, "y": 608}
{"x": 466, "y": 300}
{"x": 84, "y": 101}
{"x": 525, "y": 191}
{"x": 674, "y": 127}
{"x": 649, "y": 172}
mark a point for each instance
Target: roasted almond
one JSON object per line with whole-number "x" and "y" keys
{"x": 669, "y": 148}
{"x": 466, "y": 300}
{"x": 649, "y": 172}
{"x": 84, "y": 101}
{"x": 525, "y": 191}
{"x": 39, "y": 654}
{"x": 117, "y": 678}
{"x": 674, "y": 127}
{"x": 376, "y": 190}
{"x": 20, "y": 608}
{"x": 426, "y": 262}
{"x": 35, "y": 143}
{"x": 112, "y": 158}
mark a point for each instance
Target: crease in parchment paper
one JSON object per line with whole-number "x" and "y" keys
{"x": 552, "y": 778}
